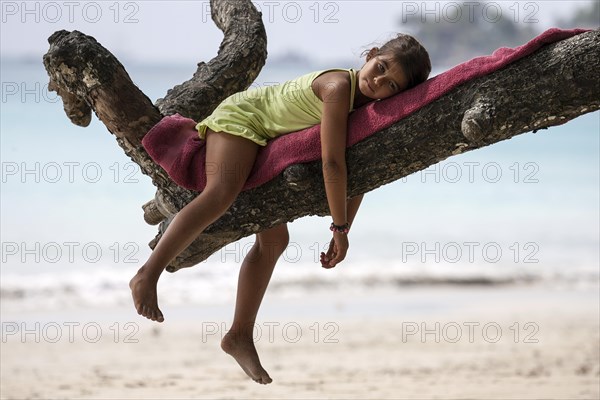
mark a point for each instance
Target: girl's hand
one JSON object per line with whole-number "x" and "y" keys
{"x": 338, "y": 247}
{"x": 326, "y": 258}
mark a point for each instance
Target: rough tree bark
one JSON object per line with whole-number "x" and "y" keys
{"x": 550, "y": 87}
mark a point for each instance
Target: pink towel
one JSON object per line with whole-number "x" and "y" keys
{"x": 174, "y": 144}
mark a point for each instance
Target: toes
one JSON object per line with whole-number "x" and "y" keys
{"x": 264, "y": 379}
{"x": 146, "y": 312}
{"x": 151, "y": 313}
{"x": 156, "y": 314}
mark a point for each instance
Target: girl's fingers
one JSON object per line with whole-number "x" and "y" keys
{"x": 327, "y": 259}
{"x": 324, "y": 260}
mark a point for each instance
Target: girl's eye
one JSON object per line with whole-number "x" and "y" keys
{"x": 393, "y": 86}
{"x": 380, "y": 67}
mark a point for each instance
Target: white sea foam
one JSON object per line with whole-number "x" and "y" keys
{"x": 210, "y": 284}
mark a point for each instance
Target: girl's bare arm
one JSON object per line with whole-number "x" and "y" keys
{"x": 333, "y": 89}
{"x": 335, "y": 94}
{"x": 352, "y": 207}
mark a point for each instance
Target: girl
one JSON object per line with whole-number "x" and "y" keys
{"x": 235, "y": 131}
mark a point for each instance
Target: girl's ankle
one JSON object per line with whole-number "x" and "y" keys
{"x": 241, "y": 334}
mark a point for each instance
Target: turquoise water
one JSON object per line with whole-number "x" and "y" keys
{"x": 526, "y": 208}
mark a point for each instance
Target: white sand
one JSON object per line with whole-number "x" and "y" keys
{"x": 365, "y": 355}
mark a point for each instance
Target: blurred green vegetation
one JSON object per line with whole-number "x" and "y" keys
{"x": 462, "y": 32}
{"x": 587, "y": 17}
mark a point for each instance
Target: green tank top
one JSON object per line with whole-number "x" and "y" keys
{"x": 261, "y": 114}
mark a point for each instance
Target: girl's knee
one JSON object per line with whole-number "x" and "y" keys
{"x": 276, "y": 239}
{"x": 221, "y": 197}
{"x": 283, "y": 240}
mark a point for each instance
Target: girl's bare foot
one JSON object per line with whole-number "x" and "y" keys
{"x": 145, "y": 300}
{"x": 244, "y": 352}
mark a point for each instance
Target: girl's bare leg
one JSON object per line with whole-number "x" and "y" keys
{"x": 254, "y": 277}
{"x": 230, "y": 159}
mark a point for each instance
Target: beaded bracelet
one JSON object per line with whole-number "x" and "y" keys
{"x": 340, "y": 228}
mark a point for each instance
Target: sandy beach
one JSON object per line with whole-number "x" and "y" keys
{"x": 527, "y": 342}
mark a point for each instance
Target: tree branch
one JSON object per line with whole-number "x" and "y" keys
{"x": 557, "y": 83}
{"x": 550, "y": 87}
{"x": 241, "y": 56}
{"x": 88, "y": 77}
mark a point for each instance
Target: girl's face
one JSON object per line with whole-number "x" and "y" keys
{"x": 381, "y": 77}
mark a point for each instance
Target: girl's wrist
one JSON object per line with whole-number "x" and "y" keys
{"x": 344, "y": 229}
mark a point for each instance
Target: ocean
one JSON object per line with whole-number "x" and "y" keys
{"x": 524, "y": 211}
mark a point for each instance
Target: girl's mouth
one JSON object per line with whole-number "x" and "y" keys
{"x": 369, "y": 85}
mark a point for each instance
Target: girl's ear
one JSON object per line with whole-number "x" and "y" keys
{"x": 372, "y": 53}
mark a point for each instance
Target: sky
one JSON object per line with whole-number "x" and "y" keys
{"x": 175, "y": 32}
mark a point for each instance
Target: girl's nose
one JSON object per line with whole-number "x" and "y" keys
{"x": 378, "y": 80}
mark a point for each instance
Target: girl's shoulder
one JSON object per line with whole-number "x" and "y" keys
{"x": 333, "y": 81}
